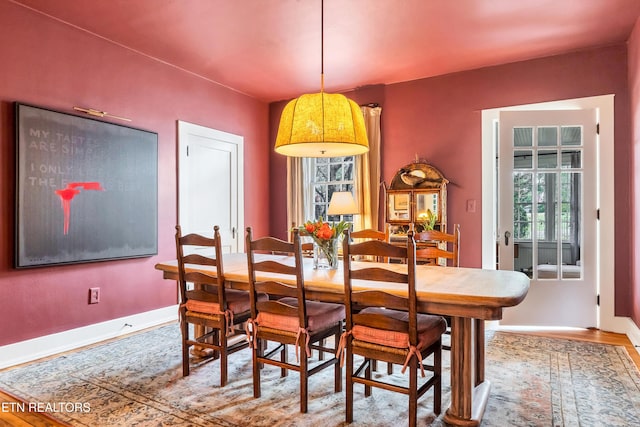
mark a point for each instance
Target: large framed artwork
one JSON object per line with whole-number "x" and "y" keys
{"x": 86, "y": 190}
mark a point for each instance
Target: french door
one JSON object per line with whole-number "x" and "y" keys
{"x": 547, "y": 214}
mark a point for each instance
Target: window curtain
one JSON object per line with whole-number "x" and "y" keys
{"x": 367, "y": 173}
{"x": 296, "y": 192}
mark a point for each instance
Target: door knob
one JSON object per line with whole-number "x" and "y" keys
{"x": 507, "y": 234}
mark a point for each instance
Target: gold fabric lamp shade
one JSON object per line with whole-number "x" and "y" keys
{"x": 321, "y": 125}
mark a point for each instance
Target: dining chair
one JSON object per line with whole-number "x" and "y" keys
{"x": 307, "y": 247}
{"x": 370, "y": 233}
{"x": 215, "y": 312}
{"x": 435, "y": 245}
{"x": 439, "y": 248}
{"x": 383, "y": 236}
{"x": 389, "y": 328}
{"x": 291, "y": 319}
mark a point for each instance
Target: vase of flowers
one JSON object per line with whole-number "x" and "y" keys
{"x": 326, "y": 241}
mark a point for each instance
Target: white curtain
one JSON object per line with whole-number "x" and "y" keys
{"x": 295, "y": 192}
{"x": 367, "y": 176}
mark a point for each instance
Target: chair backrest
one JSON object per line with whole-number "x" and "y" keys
{"x": 307, "y": 247}
{"x": 288, "y": 283}
{"x": 195, "y": 250}
{"x": 433, "y": 244}
{"x": 371, "y": 234}
{"x": 394, "y": 273}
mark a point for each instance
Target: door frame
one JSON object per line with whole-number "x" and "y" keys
{"x": 605, "y": 163}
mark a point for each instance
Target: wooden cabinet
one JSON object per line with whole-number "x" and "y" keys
{"x": 415, "y": 199}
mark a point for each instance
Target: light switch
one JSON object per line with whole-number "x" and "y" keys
{"x": 471, "y": 205}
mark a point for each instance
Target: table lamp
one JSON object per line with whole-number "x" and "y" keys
{"x": 342, "y": 203}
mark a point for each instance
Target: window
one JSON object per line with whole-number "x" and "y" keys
{"x": 328, "y": 175}
{"x": 553, "y": 166}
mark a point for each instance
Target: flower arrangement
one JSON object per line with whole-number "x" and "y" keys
{"x": 326, "y": 238}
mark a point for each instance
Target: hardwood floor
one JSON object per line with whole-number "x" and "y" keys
{"x": 9, "y": 417}
{"x": 593, "y": 335}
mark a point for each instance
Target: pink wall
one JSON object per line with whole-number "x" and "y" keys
{"x": 439, "y": 119}
{"x": 49, "y": 64}
{"x": 634, "y": 90}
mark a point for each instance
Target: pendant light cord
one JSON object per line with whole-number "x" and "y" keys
{"x": 322, "y": 46}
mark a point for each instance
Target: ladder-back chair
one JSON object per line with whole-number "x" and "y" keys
{"x": 217, "y": 311}
{"x": 389, "y": 329}
{"x": 434, "y": 246}
{"x": 290, "y": 320}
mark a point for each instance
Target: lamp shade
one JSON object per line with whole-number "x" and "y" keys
{"x": 321, "y": 125}
{"x": 342, "y": 203}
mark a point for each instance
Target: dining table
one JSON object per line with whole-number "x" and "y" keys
{"x": 469, "y": 296}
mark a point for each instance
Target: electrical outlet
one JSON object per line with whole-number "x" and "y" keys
{"x": 94, "y": 295}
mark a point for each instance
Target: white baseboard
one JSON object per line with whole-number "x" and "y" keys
{"x": 633, "y": 332}
{"x": 36, "y": 348}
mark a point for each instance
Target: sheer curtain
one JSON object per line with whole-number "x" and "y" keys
{"x": 367, "y": 180}
{"x": 367, "y": 176}
{"x": 296, "y": 193}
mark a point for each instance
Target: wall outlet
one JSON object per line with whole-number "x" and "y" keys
{"x": 94, "y": 295}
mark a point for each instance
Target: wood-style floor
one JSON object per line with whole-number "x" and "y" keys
{"x": 27, "y": 419}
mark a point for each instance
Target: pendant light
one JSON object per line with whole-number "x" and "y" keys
{"x": 321, "y": 124}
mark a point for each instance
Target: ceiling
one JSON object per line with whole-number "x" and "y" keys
{"x": 271, "y": 49}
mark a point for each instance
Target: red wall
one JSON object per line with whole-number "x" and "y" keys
{"x": 47, "y": 63}
{"x": 439, "y": 119}
{"x": 634, "y": 89}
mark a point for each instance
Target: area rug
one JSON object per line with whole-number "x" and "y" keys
{"x": 137, "y": 381}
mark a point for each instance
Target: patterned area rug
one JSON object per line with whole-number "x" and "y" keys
{"x": 137, "y": 381}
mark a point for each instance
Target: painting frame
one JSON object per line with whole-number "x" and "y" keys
{"x": 401, "y": 201}
{"x": 86, "y": 189}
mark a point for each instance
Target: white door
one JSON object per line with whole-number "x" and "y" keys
{"x": 210, "y": 189}
{"x": 547, "y": 215}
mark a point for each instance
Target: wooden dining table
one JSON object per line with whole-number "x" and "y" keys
{"x": 469, "y": 295}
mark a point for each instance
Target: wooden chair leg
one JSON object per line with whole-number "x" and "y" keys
{"x": 223, "y": 359}
{"x": 320, "y": 352}
{"x": 337, "y": 368}
{"x": 367, "y": 374}
{"x": 349, "y": 388}
{"x": 413, "y": 392}
{"x": 284, "y": 357}
{"x": 215, "y": 337}
{"x": 389, "y": 368}
{"x": 304, "y": 380}
{"x": 185, "y": 349}
{"x": 437, "y": 391}
{"x": 257, "y": 352}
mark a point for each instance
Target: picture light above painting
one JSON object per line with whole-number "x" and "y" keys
{"x": 86, "y": 190}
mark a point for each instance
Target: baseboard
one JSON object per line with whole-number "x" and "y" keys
{"x": 633, "y": 332}
{"x": 36, "y": 348}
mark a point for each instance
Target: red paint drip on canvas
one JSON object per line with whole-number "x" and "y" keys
{"x": 68, "y": 193}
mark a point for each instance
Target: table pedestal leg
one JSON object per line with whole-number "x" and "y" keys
{"x": 469, "y": 390}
